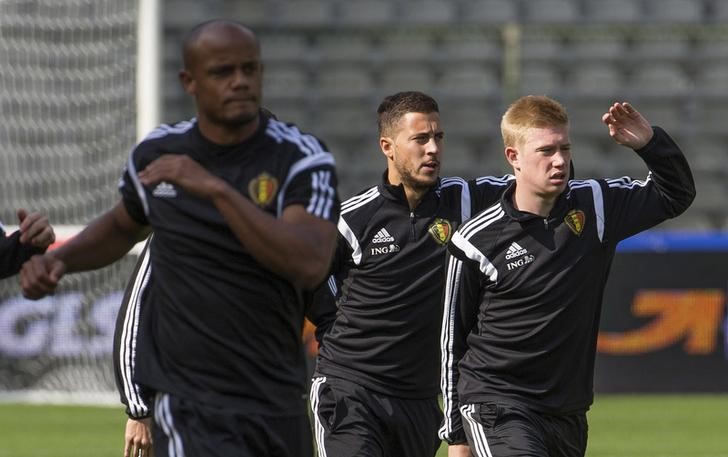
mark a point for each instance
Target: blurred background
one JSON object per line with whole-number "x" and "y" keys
{"x": 77, "y": 75}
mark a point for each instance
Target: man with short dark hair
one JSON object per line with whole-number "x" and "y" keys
{"x": 242, "y": 207}
{"x": 375, "y": 387}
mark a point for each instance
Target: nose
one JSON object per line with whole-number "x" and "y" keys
{"x": 239, "y": 80}
{"x": 432, "y": 147}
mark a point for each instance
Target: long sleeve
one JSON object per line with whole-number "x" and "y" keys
{"x": 126, "y": 337}
{"x": 13, "y": 253}
{"x": 631, "y": 206}
{"x": 461, "y": 302}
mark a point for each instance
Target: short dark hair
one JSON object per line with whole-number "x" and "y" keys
{"x": 394, "y": 106}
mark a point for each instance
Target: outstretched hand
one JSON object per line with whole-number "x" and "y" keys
{"x": 39, "y": 276}
{"x": 627, "y": 126}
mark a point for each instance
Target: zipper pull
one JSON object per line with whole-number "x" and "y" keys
{"x": 412, "y": 224}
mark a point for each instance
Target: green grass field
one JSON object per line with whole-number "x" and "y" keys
{"x": 620, "y": 426}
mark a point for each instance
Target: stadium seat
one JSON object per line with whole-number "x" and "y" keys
{"x": 603, "y": 44}
{"x": 469, "y": 81}
{"x": 366, "y": 13}
{"x": 350, "y": 81}
{"x": 409, "y": 45}
{"x": 284, "y": 47}
{"x": 660, "y": 80}
{"x": 596, "y": 79}
{"x": 541, "y": 44}
{"x": 551, "y": 11}
{"x": 396, "y": 78}
{"x": 285, "y": 82}
{"x": 253, "y": 13}
{"x": 712, "y": 79}
{"x": 613, "y": 11}
{"x": 315, "y": 13}
{"x": 346, "y": 45}
{"x": 489, "y": 11}
{"x": 540, "y": 78}
{"x": 427, "y": 12}
{"x": 675, "y": 11}
{"x": 653, "y": 44}
{"x": 470, "y": 44}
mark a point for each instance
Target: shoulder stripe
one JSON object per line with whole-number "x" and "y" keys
{"x": 498, "y": 181}
{"x": 598, "y": 207}
{"x": 626, "y": 182}
{"x": 483, "y": 219}
{"x": 165, "y": 129}
{"x": 311, "y": 161}
{"x": 359, "y": 200}
{"x": 349, "y": 236}
{"x": 484, "y": 264}
{"x": 280, "y": 132}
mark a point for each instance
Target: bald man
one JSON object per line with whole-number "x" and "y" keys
{"x": 243, "y": 210}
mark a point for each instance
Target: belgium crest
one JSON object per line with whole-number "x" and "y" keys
{"x": 440, "y": 230}
{"x": 262, "y": 189}
{"x": 575, "y": 221}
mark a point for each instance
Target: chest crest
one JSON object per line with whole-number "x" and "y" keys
{"x": 575, "y": 220}
{"x": 262, "y": 189}
{"x": 440, "y": 230}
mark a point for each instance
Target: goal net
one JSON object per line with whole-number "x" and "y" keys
{"x": 67, "y": 103}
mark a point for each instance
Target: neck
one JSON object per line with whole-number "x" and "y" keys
{"x": 413, "y": 194}
{"x": 532, "y": 203}
{"x": 227, "y": 134}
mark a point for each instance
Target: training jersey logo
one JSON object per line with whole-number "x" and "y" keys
{"x": 515, "y": 250}
{"x": 440, "y": 230}
{"x": 382, "y": 236}
{"x": 164, "y": 190}
{"x": 575, "y": 221}
{"x": 262, "y": 189}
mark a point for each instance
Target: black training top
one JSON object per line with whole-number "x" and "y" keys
{"x": 388, "y": 275}
{"x": 524, "y": 293}
{"x": 223, "y": 329}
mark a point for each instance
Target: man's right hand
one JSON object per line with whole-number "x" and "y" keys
{"x": 39, "y": 276}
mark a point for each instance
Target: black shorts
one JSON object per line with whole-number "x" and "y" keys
{"x": 352, "y": 421}
{"x": 495, "y": 429}
{"x": 191, "y": 429}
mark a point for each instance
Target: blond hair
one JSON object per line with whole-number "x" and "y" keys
{"x": 531, "y": 111}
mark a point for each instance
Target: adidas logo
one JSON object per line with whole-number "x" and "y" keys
{"x": 382, "y": 236}
{"x": 515, "y": 250}
{"x": 164, "y": 190}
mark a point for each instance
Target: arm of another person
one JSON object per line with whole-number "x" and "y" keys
{"x": 297, "y": 246}
{"x": 138, "y": 438}
{"x": 129, "y": 329}
{"x": 34, "y": 235}
{"x": 460, "y": 300}
{"x": 102, "y": 242}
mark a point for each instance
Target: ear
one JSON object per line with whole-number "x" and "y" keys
{"x": 386, "y": 144}
{"x": 187, "y": 81}
{"x": 513, "y": 157}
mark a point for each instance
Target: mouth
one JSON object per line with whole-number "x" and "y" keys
{"x": 432, "y": 165}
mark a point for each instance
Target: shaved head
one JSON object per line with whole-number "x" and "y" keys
{"x": 211, "y": 29}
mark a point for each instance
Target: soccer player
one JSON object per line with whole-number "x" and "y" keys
{"x": 243, "y": 210}
{"x": 33, "y": 236}
{"x": 375, "y": 387}
{"x": 525, "y": 279}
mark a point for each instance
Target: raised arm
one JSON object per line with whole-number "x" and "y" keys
{"x": 631, "y": 206}
{"x": 297, "y": 246}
